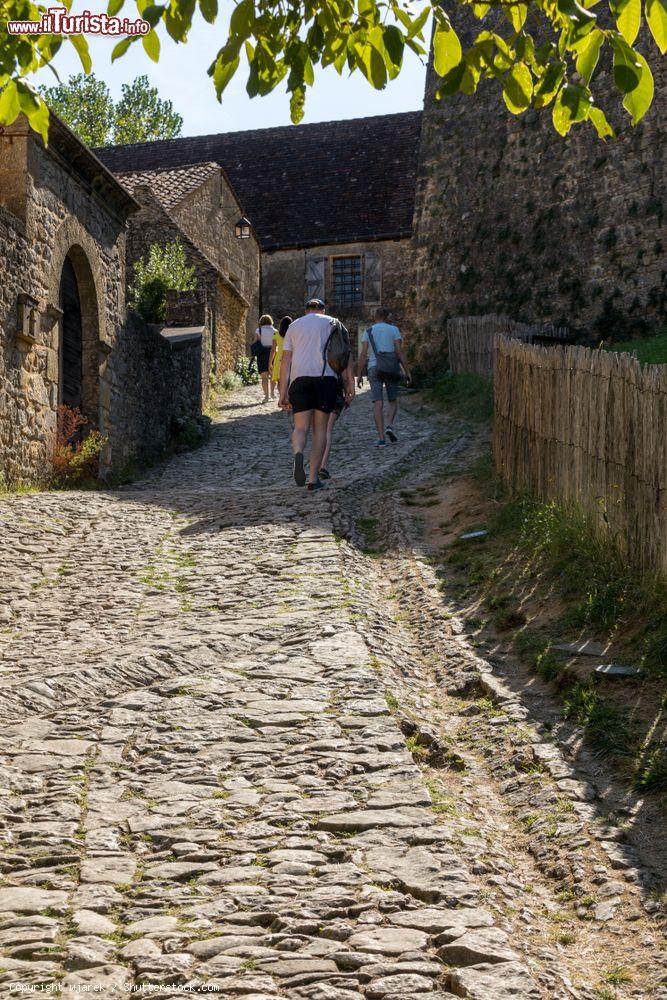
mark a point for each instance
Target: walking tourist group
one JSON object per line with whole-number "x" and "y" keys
{"x": 309, "y": 362}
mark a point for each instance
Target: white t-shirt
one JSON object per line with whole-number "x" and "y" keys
{"x": 385, "y": 336}
{"x": 265, "y": 335}
{"x": 306, "y": 338}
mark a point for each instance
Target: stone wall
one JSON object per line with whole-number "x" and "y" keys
{"x": 155, "y": 386}
{"x": 208, "y": 216}
{"x": 290, "y": 277}
{"x": 511, "y": 218}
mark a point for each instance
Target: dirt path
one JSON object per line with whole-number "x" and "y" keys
{"x": 231, "y": 761}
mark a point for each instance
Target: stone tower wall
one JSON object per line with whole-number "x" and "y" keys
{"x": 511, "y": 218}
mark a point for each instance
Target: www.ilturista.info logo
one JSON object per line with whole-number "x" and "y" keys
{"x": 57, "y": 21}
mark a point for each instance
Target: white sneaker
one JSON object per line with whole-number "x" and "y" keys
{"x": 391, "y": 434}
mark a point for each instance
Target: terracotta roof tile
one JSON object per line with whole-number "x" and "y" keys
{"x": 169, "y": 184}
{"x": 304, "y": 185}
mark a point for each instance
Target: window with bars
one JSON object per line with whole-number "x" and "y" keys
{"x": 347, "y": 280}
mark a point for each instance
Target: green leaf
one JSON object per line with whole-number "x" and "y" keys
{"x": 81, "y": 46}
{"x": 452, "y": 82}
{"x": 415, "y": 26}
{"x": 577, "y": 100}
{"x": 114, "y": 6}
{"x": 9, "y": 103}
{"x": 638, "y": 101}
{"x": 394, "y": 44}
{"x": 34, "y": 108}
{"x": 656, "y": 15}
{"x": 518, "y": 88}
{"x": 599, "y": 120}
{"x": 209, "y": 10}
{"x": 589, "y": 53}
{"x": 152, "y": 13}
{"x": 580, "y": 20}
{"x": 627, "y": 68}
{"x": 516, "y": 14}
{"x": 560, "y": 117}
{"x": 151, "y": 44}
{"x": 242, "y": 19}
{"x": 223, "y": 70}
{"x": 297, "y": 105}
{"x": 121, "y": 48}
{"x": 446, "y": 49}
{"x": 39, "y": 120}
{"x": 628, "y": 16}
{"x": 573, "y": 104}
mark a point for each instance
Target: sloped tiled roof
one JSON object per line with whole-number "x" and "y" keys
{"x": 305, "y": 185}
{"x": 171, "y": 184}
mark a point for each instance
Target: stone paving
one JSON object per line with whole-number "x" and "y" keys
{"x": 202, "y": 787}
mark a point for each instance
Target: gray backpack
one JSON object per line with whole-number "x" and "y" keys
{"x": 337, "y": 349}
{"x": 388, "y": 364}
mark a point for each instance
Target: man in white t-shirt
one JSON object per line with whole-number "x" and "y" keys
{"x": 388, "y": 340}
{"x": 309, "y": 387}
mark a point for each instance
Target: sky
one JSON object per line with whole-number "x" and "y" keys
{"x": 181, "y": 76}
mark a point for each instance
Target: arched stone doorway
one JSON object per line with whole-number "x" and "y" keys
{"x": 78, "y": 348}
{"x": 71, "y": 340}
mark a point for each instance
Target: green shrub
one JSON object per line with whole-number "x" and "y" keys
{"x": 246, "y": 371}
{"x": 165, "y": 268}
{"x": 229, "y": 381}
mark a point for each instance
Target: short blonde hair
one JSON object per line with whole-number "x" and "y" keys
{"x": 265, "y": 320}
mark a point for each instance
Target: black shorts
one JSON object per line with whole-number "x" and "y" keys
{"x": 313, "y": 393}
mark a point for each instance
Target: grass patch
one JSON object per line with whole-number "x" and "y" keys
{"x": 393, "y": 703}
{"x": 467, "y": 396}
{"x": 649, "y": 350}
{"x": 368, "y": 526}
{"x": 589, "y": 571}
{"x": 537, "y": 550}
{"x": 607, "y": 728}
{"x": 618, "y": 976}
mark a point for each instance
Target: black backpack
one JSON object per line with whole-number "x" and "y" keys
{"x": 337, "y": 349}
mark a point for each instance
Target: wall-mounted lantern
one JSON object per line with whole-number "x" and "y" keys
{"x": 242, "y": 229}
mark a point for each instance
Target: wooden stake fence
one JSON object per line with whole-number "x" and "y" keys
{"x": 588, "y": 427}
{"x": 471, "y": 340}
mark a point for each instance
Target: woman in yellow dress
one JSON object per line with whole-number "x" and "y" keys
{"x": 277, "y": 353}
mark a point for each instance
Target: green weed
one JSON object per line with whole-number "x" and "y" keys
{"x": 618, "y": 975}
{"x": 606, "y": 727}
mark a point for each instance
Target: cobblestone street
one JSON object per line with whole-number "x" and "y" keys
{"x": 203, "y": 785}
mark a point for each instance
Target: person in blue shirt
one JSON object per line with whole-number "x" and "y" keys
{"x": 388, "y": 340}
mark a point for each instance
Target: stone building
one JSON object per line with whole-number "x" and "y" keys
{"x": 196, "y": 204}
{"x": 511, "y": 218}
{"x": 67, "y": 337}
{"x": 331, "y": 204}
{"x": 62, "y": 289}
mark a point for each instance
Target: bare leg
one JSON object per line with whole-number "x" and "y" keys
{"x": 378, "y": 418}
{"x": 320, "y": 421}
{"x": 265, "y": 385}
{"x": 333, "y": 417}
{"x": 274, "y": 386}
{"x": 302, "y": 422}
{"x": 391, "y": 413}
